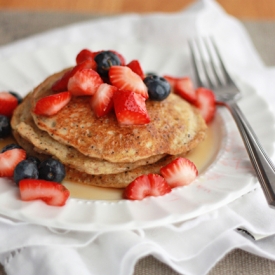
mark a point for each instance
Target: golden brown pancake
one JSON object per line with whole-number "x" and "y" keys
{"x": 23, "y": 125}
{"x": 176, "y": 127}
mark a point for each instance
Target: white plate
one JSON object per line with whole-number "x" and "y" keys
{"x": 227, "y": 177}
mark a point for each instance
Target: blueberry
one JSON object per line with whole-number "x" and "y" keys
{"x": 34, "y": 159}
{"x": 52, "y": 170}
{"x": 25, "y": 169}
{"x": 10, "y": 147}
{"x": 158, "y": 87}
{"x": 5, "y": 127}
{"x": 18, "y": 97}
{"x": 104, "y": 61}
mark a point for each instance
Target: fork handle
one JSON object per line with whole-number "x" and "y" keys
{"x": 261, "y": 162}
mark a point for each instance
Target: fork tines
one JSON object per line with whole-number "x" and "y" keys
{"x": 209, "y": 68}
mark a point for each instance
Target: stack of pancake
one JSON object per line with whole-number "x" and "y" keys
{"x": 99, "y": 151}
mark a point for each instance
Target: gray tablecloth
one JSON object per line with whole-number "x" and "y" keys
{"x": 18, "y": 25}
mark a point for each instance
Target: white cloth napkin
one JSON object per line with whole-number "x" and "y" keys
{"x": 192, "y": 247}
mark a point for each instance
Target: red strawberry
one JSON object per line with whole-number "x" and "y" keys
{"x": 185, "y": 88}
{"x": 125, "y": 79}
{"x": 102, "y": 101}
{"x": 179, "y": 172}
{"x": 84, "y": 55}
{"x": 52, "y": 104}
{"x": 50, "y": 192}
{"x": 130, "y": 108}
{"x": 135, "y": 66}
{"x": 84, "y": 82}
{"x": 8, "y": 103}
{"x": 206, "y": 103}
{"x": 146, "y": 185}
{"x": 9, "y": 159}
{"x": 171, "y": 79}
{"x": 61, "y": 84}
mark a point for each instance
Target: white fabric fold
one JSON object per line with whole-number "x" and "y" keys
{"x": 192, "y": 247}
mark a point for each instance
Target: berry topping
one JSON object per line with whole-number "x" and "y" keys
{"x": 130, "y": 108}
{"x": 8, "y": 103}
{"x": 52, "y": 104}
{"x": 125, "y": 79}
{"x": 179, "y": 172}
{"x": 171, "y": 79}
{"x": 135, "y": 66}
{"x": 25, "y": 169}
{"x": 84, "y": 55}
{"x": 9, "y": 160}
{"x": 18, "y": 97}
{"x": 5, "y": 128}
{"x": 120, "y": 56}
{"x": 206, "y": 103}
{"x": 102, "y": 101}
{"x": 61, "y": 84}
{"x": 146, "y": 185}
{"x": 84, "y": 82}
{"x": 158, "y": 87}
{"x": 52, "y": 193}
{"x": 52, "y": 170}
{"x": 34, "y": 160}
{"x": 105, "y": 60}
{"x": 185, "y": 88}
{"x": 10, "y": 147}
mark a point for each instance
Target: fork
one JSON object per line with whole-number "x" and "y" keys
{"x": 211, "y": 73}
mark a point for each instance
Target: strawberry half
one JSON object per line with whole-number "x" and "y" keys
{"x": 84, "y": 55}
{"x": 146, "y": 185}
{"x": 184, "y": 87}
{"x": 52, "y": 104}
{"x": 8, "y": 103}
{"x": 206, "y": 103}
{"x": 171, "y": 79}
{"x": 84, "y": 82}
{"x": 135, "y": 66}
{"x": 125, "y": 79}
{"x": 52, "y": 193}
{"x": 102, "y": 101}
{"x": 130, "y": 108}
{"x": 61, "y": 84}
{"x": 9, "y": 160}
{"x": 179, "y": 172}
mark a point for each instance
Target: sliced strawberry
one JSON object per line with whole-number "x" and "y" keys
{"x": 135, "y": 66}
{"x": 8, "y": 103}
{"x": 130, "y": 108}
{"x": 206, "y": 103}
{"x": 84, "y": 55}
{"x": 185, "y": 88}
{"x": 125, "y": 79}
{"x": 171, "y": 79}
{"x": 146, "y": 185}
{"x": 52, "y": 104}
{"x": 9, "y": 160}
{"x": 50, "y": 192}
{"x": 102, "y": 101}
{"x": 61, "y": 84}
{"x": 84, "y": 82}
{"x": 179, "y": 172}
{"x": 159, "y": 185}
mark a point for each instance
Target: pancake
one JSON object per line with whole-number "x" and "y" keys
{"x": 24, "y": 126}
{"x": 176, "y": 127}
{"x": 119, "y": 180}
